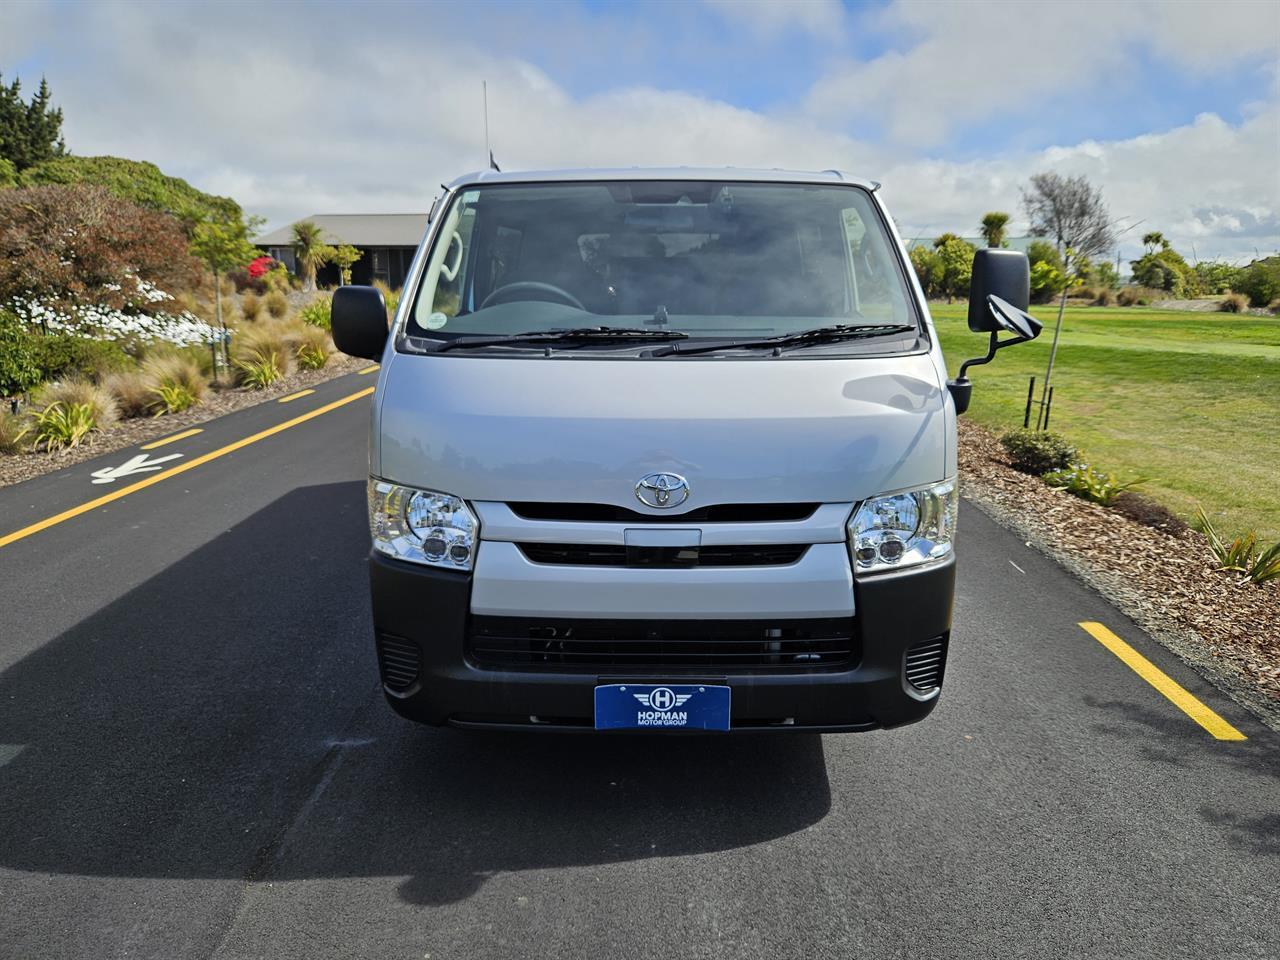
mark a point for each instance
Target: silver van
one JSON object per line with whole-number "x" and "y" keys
{"x": 665, "y": 450}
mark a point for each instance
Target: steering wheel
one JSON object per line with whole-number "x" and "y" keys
{"x": 512, "y": 291}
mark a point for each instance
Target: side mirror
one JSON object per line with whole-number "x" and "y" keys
{"x": 358, "y": 318}
{"x": 1001, "y": 273}
{"x": 999, "y": 292}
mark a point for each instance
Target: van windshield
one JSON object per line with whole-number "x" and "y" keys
{"x": 704, "y": 258}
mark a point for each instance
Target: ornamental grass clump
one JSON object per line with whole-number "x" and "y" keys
{"x": 15, "y": 432}
{"x": 176, "y": 370}
{"x": 132, "y": 392}
{"x": 277, "y": 304}
{"x": 1234, "y": 303}
{"x": 63, "y": 425}
{"x": 1038, "y": 453}
{"x": 101, "y": 405}
{"x": 259, "y": 369}
{"x": 317, "y": 313}
{"x": 312, "y": 348}
{"x": 1242, "y": 554}
{"x": 1085, "y": 482}
{"x": 250, "y": 306}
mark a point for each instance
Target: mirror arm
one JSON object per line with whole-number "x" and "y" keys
{"x": 991, "y": 353}
{"x": 961, "y": 387}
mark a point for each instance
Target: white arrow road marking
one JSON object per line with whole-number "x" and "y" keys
{"x": 138, "y": 464}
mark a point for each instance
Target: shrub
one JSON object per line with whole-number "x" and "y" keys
{"x": 1127, "y": 297}
{"x": 1241, "y": 555}
{"x": 135, "y": 180}
{"x": 132, "y": 392}
{"x": 277, "y": 304}
{"x": 62, "y": 425}
{"x": 80, "y": 244}
{"x": 250, "y": 306}
{"x": 1149, "y": 513}
{"x": 103, "y": 411}
{"x": 312, "y": 348}
{"x": 14, "y": 432}
{"x": 1083, "y": 481}
{"x": 19, "y": 357}
{"x": 1038, "y": 453}
{"x": 1259, "y": 281}
{"x": 260, "y": 369}
{"x": 1234, "y": 303}
{"x": 1106, "y": 297}
{"x": 63, "y": 356}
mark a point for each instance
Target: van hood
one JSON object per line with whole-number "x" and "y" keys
{"x": 585, "y": 430}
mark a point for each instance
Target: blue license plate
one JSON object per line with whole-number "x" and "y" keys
{"x": 662, "y": 706}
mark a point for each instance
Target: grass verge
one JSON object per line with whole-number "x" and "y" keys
{"x": 1190, "y": 400}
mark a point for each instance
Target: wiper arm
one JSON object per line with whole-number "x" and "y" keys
{"x": 575, "y": 335}
{"x": 830, "y": 334}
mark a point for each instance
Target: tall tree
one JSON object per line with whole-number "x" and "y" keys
{"x": 30, "y": 133}
{"x": 1073, "y": 213}
{"x": 223, "y": 245}
{"x": 1153, "y": 240}
{"x": 310, "y": 250}
{"x": 993, "y": 225}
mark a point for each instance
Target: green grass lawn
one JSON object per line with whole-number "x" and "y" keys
{"x": 1191, "y": 400}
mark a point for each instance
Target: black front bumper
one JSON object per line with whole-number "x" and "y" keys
{"x": 421, "y": 622}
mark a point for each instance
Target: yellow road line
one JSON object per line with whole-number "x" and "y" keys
{"x": 1175, "y": 693}
{"x": 155, "y": 478}
{"x": 295, "y": 396}
{"x": 177, "y": 436}
{"x": 373, "y": 369}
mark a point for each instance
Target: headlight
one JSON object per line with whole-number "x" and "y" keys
{"x": 904, "y": 529}
{"x": 422, "y": 526}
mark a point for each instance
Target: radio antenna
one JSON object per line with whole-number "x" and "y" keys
{"x": 484, "y": 91}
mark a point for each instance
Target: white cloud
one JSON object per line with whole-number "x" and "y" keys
{"x": 819, "y": 17}
{"x": 1209, "y": 183}
{"x": 293, "y": 117}
{"x": 972, "y": 61}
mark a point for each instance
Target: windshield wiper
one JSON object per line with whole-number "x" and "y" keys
{"x": 575, "y": 335}
{"x": 831, "y": 334}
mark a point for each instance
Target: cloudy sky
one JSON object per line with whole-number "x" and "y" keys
{"x": 1172, "y": 106}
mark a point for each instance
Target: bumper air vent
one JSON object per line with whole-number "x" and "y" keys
{"x": 924, "y": 662}
{"x": 594, "y": 555}
{"x": 716, "y": 513}
{"x": 662, "y": 646}
{"x": 399, "y": 660}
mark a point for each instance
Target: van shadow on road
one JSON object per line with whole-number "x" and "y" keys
{"x": 180, "y": 731}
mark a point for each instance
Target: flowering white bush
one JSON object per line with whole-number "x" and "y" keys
{"x": 106, "y": 323}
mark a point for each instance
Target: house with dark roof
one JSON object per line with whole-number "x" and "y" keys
{"x": 386, "y": 240}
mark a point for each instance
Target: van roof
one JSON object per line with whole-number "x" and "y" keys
{"x": 662, "y": 173}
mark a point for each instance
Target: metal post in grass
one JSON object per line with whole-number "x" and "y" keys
{"x": 1026, "y": 414}
{"x": 1072, "y": 211}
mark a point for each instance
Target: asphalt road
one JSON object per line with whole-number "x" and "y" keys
{"x": 195, "y": 761}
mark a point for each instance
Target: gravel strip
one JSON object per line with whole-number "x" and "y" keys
{"x": 14, "y": 468}
{"x": 1225, "y": 627}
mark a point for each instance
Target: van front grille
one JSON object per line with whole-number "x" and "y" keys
{"x": 664, "y": 646}
{"x": 399, "y": 660}
{"x": 924, "y": 663}
{"x": 716, "y": 513}
{"x": 596, "y": 555}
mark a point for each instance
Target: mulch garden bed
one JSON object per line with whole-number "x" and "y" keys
{"x": 14, "y": 468}
{"x": 1162, "y": 577}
